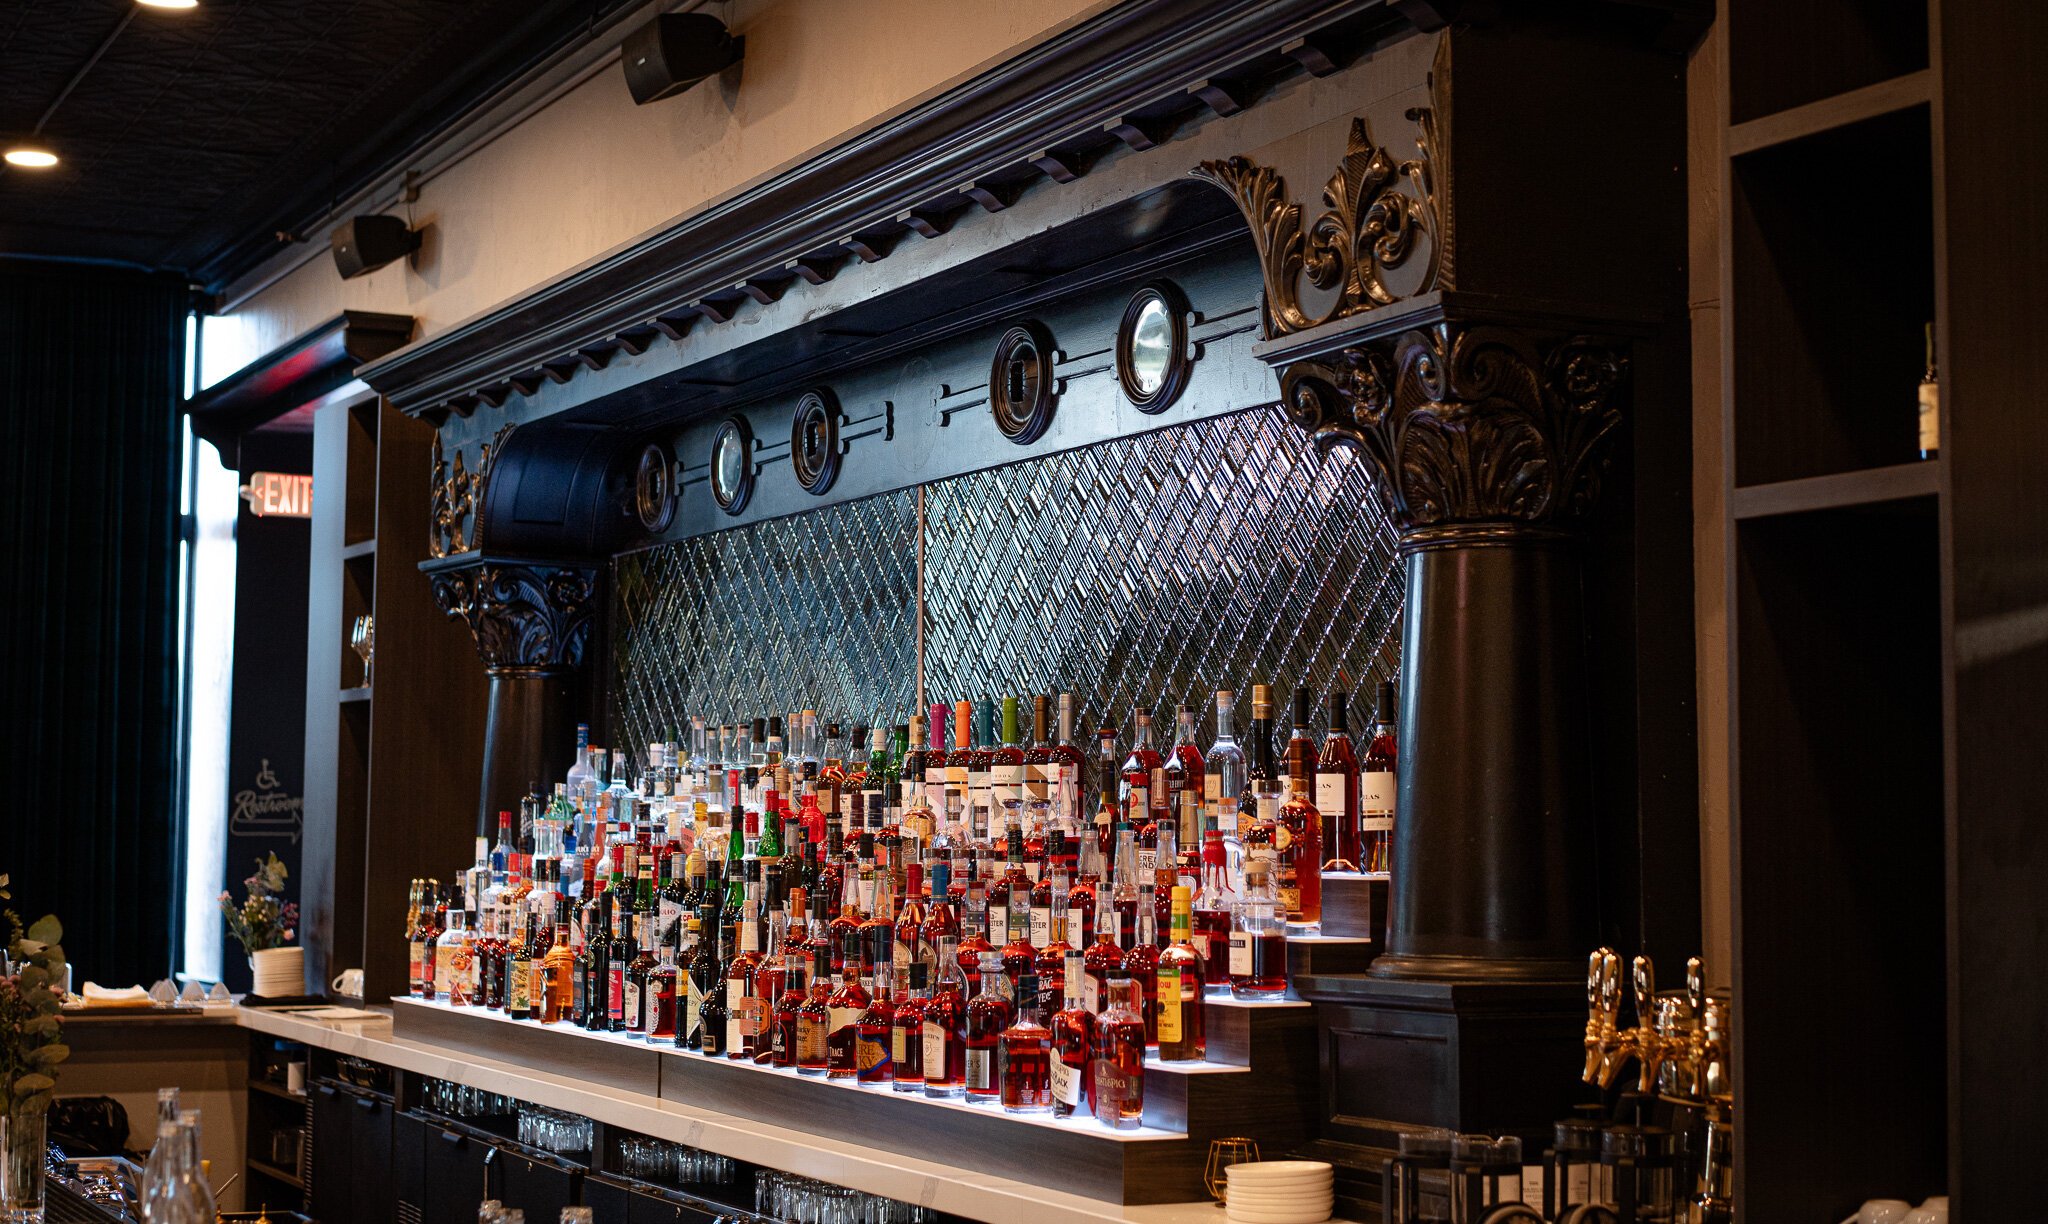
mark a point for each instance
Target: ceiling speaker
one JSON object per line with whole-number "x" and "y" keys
{"x": 675, "y": 51}
{"x": 365, "y": 244}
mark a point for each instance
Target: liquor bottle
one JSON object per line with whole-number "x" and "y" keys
{"x": 452, "y": 969}
{"x": 984, "y": 818}
{"x": 1930, "y": 404}
{"x": 1069, "y": 765}
{"x": 957, "y": 777}
{"x": 878, "y": 932}
{"x": 1214, "y": 908}
{"x": 661, "y": 996}
{"x": 1180, "y": 1026}
{"x": 704, "y": 972}
{"x": 618, "y": 959}
{"x": 1184, "y": 780}
{"x": 560, "y": 973}
{"x": 1165, "y": 877}
{"x": 1073, "y": 1035}
{"x": 588, "y": 971}
{"x": 1009, "y": 895}
{"x": 638, "y": 974}
{"x": 519, "y": 973}
{"x": 988, "y": 1014}
{"x": 1258, "y": 939}
{"x": 1141, "y": 784}
{"x": 743, "y": 1020}
{"x": 875, "y": 1032}
{"x": 906, "y": 1028}
{"x": 425, "y": 939}
{"x": 1087, "y": 864}
{"x": 910, "y": 772}
{"x": 908, "y": 946}
{"x": 848, "y": 1000}
{"x": 1006, "y": 773}
{"x": 788, "y": 1011}
{"x": 1118, "y": 1057}
{"x": 1109, "y": 808}
{"x": 814, "y": 1022}
{"x": 1124, "y": 888}
{"x": 1336, "y": 789}
{"x": 1223, "y": 770}
{"x": 1025, "y": 1078}
{"x": 1298, "y": 839}
{"x": 1262, "y": 780}
{"x": 1041, "y": 772}
{"x": 945, "y": 1025}
{"x": 878, "y": 774}
{"x": 975, "y": 941}
{"x": 1103, "y": 957}
{"x": 1141, "y": 964}
{"x": 942, "y": 919}
{"x": 1378, "y": 788}
{"x": 715, "y": 1021}
{"x": 1049, "y": 894}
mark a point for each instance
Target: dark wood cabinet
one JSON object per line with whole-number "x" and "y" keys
{"x": 351, "y": 1161}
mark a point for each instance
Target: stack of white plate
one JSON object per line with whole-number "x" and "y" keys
{"x": 1278, "y": 1192}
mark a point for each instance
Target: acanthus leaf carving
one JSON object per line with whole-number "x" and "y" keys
{"x": 456, "y": 498}
{"x": 1468, "y": 424}
{"x": 522, "y": 615}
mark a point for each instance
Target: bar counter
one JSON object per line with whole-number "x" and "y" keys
{"x": 931, "y": 1183}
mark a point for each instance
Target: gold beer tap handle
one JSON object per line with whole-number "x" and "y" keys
{"x": 1599, "y": 1026}
{"x": 1617, "y": 1045}
{"x": 1650, "y": 1047}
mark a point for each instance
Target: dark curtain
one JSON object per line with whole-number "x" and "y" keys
{"x": 90, "y": 371}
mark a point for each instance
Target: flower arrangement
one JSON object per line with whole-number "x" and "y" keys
{"x": 31, "y": 1029}
{"x": 263, "y": 921}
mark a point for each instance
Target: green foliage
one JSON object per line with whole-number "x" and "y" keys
{"x": 31, "y": 1024}
{"x": 265, "y": 919}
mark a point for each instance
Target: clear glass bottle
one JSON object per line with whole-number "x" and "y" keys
{"x": 1118, "y": 1059}
{"x": 1026, "y": 1049}
{"x": 1073, "y": 1037}
{"x": 988, "y": 1014}
{"x": 1185, "y": 781}
{"x": 1258, "y": 937}
{"x": 945, "y": 1024}
{"x": 1223, "y": 770}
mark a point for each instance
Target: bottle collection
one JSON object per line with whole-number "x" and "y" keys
{"x": 998, "y": 920}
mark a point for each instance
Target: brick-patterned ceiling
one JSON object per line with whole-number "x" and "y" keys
{"x": 202, "y": 132}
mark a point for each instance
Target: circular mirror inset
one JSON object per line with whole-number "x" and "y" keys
{"x": 1020, "y": 385}
{"x": 654, "y": 488}
{"x": 1152, "y": 359}
{"x": 814, "y": 441}
{"x": 732, "y": 465}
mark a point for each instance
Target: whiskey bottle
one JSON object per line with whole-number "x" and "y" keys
{"x": 661, "y": 997}
{"x": 519, "y": 975}
{"x": 618, "y": 960}
{"x": 1073, "y": 1036}
{"x": 715, "y": 1022}
{"x": 788, "y": 1010}
{"x": 945, "y": 1027}
{"x": 814, "y": 1020}
{"x": 1298, "y": 839}
{"x": 704, "y": 971}
{"x": 906, "y": 1028}
{"x": 1103, "y": 957}
{"x": 1141, "y": 964}
{"x": 1118, "y": 1060}
{"x": 560, "y": 973}
{"x": 988, "y": 1014}
{"x": 1213, "y": 912}
{"x": 1006, "y": 773}
{"x": 1026, "y": 1048}
{"x": 1141, "y": 783}
{"x": 1069, "y": 766}
{"x": 959, "y": 808}
{"x": 1378, "y": 787}
{"x": 638, "y": 972}
{"x": 1336, "y": 786}
{"x": 875, "y": 1032}
{"x": 848, "y": 1001}
{"x": 1181, "y": 982}
{"x": 983, "y": 817}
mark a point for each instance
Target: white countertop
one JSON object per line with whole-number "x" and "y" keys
{"x": 979, "y": 1196}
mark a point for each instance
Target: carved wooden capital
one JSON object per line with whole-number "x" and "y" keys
{"x": 523, "y": 615}
{"x": 1468, "y": 424}
{"x": 455, "y": 498}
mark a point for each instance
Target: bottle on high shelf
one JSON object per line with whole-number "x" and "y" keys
{"x": 1043, "y": 900}
{"x": 660, "y": 997}
{"x": 1124, "y": 886}
{"x": 1086, "y": 863}
{"x": 1298, "y": 843}
{"x": 981, "y": 773}
{"x": 943, "y": 1027}
{"x": 878, "y": 931}
{"x": 744, "y": 1021}
{"x": 1141, "y": 962}
{"x": 1141, "y": 786}
{"x": 942, "y": 918}
{"x": 1109, "y": 808}
{"x": 1118, "y": 1062}
{"x": 1025, "y": 1049}
{"x": 1258, "y": 938}
{"x": 938, "y": 789}
{"x": 1184, "y": 780}
{"x": 814, "y": 1021}
{"x": 1073, "y": 1035}
{"x": 704, "y": 971}
{"x": 988, "y": 1014}
{"x": 875, "y": 1031}
{"x": 619, "y": 954}
{"x": 1006, "y": 774}
{"x": 519, "y": 975}
{"x": 910, "y": 770}
{"x": 881, "y": 783}
{"x": 1041, "y": 772}
{"x": 909, "y": 946}
{"x": 848, "y": 1000}
{"x": 1180, "y": 1028}
{"x": 1259, "y": 806}
{"x": 1930, "y": 404}
{"x": 559, "y": 972}
{"x": 1378, "y": 789}
{"x": 1050, "y": 963}
{"x": 906, "y": 1028}
{"x": 1103, "y": 957}
{"x": 1070, "y": 768}
{"x": 977, "y": 938}
{"x": 812, "y": 750}
{"x": 1223, "y": 769}
{"x": 788, "y": 1009}
{"x": 1336, "y": 785}
{"x": 771, "y": 749}
{"x": 638, "y": 973}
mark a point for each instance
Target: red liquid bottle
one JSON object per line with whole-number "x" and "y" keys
{"x": 975, "y": 941}
{"x": 945, "y": 1027}
{"x": 906, "y": 1030}
{"x": 1141, "y": 965}
{"x": 1068, "y": 771}
{"x": 849, "y": 999}
{"x": 1336, "y": 787}
{"x": 1180, "y": 1025}
{"x": 1258, "y": 941}
{"x": 875, "y": 1033}
{"x": 1103, "y": 957}
{"x": 1119, "y": 1058}
{"x": 814, "y": 1021}
{"x": 788, "y": 1007}
{"x": 1298, "y": 838}
{"x": 988, "y": 1014}
{"x": 1377, "y": 789}
{"x": 1212, "y": 917}
{"x": 1073, "y": 1036}
{"x": 1026, "y": 1049}
{"x": 1184, "y": 783}
{"x": 1141, "y": 788}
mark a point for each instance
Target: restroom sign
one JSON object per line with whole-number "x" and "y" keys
{"x": 279, "y": 495}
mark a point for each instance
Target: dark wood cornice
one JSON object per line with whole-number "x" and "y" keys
{"x": 304, "y": 370}
{"x": 1127, "y": 77}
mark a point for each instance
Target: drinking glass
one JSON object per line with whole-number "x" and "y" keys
{"x": 362, "y": 636}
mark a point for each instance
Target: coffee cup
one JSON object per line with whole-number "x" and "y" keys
{"x": 349, "y": 983}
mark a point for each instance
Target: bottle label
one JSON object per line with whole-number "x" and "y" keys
{"x": 812, "y": 1042}
{"x": 843, "y": 1020}
{"x": 1290, "y": 894}
{"x": 1268, "y": 807}
{"x": 1041, "y": 926}
{"x": 1376, "y": 791}
{"x": 1203, "y": 945}
{"x": 1115, "y": 1091}
{"x": 615, "y": 995}
{"x": 1018, "y": 922}
{"x": 899, "y": 1045}
{"x": 904, "y": 955}
{"x": 735, "y": 1031}
{"x": 714, "y": 1038}
{"x": 693, "y": 1008}
{"x": 519, "y": 996}
{"x": 751, "y": 1015}
{"x": 1077, "y": 925}
{"x": 632, "y": 1006}
{"x": 1066, "y": 1083}
{"x": 872, "y": 1057}
{"x": 934, "y": 1052}
{"x": 1091, "y": 995}
{"x": 1169, "y": 1004}
{"x": 1330, "y": 796}
{"x": 980, "y": 1077}
{"x": 1240, "y": 954}
{"x": 1007, "y": 785}
{"x": 1067, "y": 799}
{"x": 1041, "y": 780}
{"x": 1138, "y": 805}
{"x": 1148, "y": 861}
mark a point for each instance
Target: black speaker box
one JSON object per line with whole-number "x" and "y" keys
{"x": 365, "y": 244}
{"x": 675, "y": 51}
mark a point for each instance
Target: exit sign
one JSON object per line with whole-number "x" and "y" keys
{"x": 279, "y": 495}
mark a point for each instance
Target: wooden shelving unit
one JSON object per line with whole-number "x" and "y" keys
{"x": 391, "y": 769}
{"x": 1835, "y": 584}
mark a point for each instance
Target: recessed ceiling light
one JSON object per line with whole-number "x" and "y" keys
{"x": 24, "y": 155}
{"x": 169, "y": 3}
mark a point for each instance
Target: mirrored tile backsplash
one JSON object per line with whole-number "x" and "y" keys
{"x": 1147, "y": 570}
